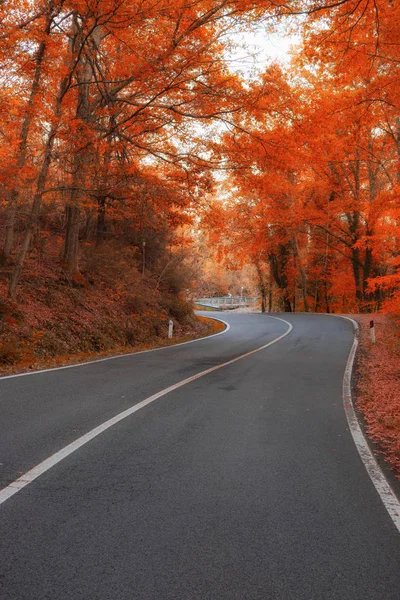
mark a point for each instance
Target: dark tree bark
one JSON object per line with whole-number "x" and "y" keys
{"x": 303, "y": 275}
{"x": 261, "y": 285}
{"x": 278, "y": 262}
{"x": 83, "y": 157}
{"x": 101, "y": 220}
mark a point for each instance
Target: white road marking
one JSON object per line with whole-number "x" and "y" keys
{"x": 50, "y": 462}
{"x": 375, "y": 472}
{"x": 97, "y": 360}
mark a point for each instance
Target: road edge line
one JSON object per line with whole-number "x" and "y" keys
{"x": 115, "y": 356}
{"x": 58, "y": 456}
{"x": 375, "y": 472}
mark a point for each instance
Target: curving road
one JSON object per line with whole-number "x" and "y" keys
{"x": 243, "y": 484}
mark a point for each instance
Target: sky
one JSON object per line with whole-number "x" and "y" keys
{"x": 254, "y": 51}
{"x": 249, "y": 56}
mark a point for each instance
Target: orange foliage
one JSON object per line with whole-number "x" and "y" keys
{"x": 315, "y": 166}
{"x": 379, "y": 386}
{"x": 105, "y": 138}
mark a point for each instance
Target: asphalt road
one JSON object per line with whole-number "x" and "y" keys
{"x": 243, "y": 484}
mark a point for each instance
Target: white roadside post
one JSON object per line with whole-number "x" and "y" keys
{"x": 372, "y": 331}
{"x": 170, "y": 329}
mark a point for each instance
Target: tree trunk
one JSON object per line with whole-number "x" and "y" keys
{"x": 71, "y": 246}
{"x": 11, "y": 211}
{"x": 263, "y": 300}
{"x": 270, "y": 295}
{"x": 368, "y": 256}
{"x": 398, "y": 148}
{"x": 16, "y": 274}
{"x": 278, "y": 263}
{"x": 261, "y": 285}
{"x": 355, "y": 262}
{"x": 367, "y": 272}
{"x": 326, "y": 297}
{"x": 316, "y": 297}
{"x": 353, "y": 220}
{"x": 35, "y": 210}
{"x": 302, "y": 274}
{"x": 82, "y": 157}
{"x": 101, "y": 220}
{"x": 40, "y": 187}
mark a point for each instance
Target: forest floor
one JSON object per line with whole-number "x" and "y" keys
{"x": 378, "y": 385}
{"x": 200, "y": 327}
{"x": 57, "y": 324}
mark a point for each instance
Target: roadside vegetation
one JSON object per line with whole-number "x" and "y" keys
{"x": 378, "y": 385}
{"x": 39, "y": 339}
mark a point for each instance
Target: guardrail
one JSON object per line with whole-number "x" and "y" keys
{"x": 226, "y": 301}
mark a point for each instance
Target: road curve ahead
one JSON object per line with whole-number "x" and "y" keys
{"x": 243, "y": 484}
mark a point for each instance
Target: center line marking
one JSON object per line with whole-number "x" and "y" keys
{"x": 54, "y": 459}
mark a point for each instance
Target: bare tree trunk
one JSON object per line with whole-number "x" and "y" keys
{"x": 327, "y": 307}
{"x": 71, "y": 247}
{"x": 316, "y": 297}
{"x": 263, "y": 300}
{"x": 270, "y": 295}
{"x": 261, "y": 284}
{"x": 326, "y": 260}
{"x": 88, "y": 225}
{"x": 101, "y": 220}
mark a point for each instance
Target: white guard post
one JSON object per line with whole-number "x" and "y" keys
{"x": 170, "y": 329}
{"x": 372, "y": 331}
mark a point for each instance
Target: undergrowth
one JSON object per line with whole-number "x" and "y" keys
{"x": 378, "y": 387}
{"x": 111, "y": 307}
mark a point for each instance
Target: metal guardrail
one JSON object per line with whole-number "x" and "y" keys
{"x": 226, "y": 301}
